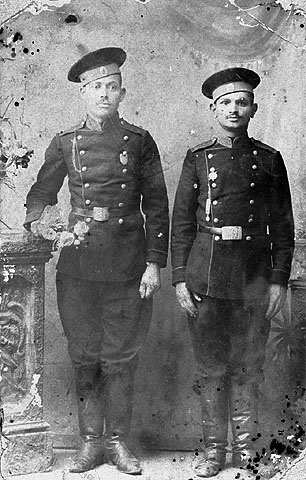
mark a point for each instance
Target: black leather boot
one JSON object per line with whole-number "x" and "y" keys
{"x": 244, "y": 421}
{"x": 120, "y": 393}
{"x": 245, "y": 426}
{"x": 118, "y": 454}
{"x": 91, "y": 419}
{"x": 214, "y": 401}
{"x": 90, "y": 455}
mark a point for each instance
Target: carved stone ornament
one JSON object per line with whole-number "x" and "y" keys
{"x": 22, "y": 285}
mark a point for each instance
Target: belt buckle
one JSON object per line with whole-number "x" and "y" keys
{"x": 100, "y": 214}
{"x": 231, "y": 233}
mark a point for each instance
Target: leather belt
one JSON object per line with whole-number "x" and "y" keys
{"x": 103, "y": 214}
{"x": 232, "y": 232}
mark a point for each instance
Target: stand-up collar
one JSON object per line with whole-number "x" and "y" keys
{"x": 110, "y": 122}
{"x": 241, "y": 141}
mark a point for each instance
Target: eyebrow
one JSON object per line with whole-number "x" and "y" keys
{"x": 111, "y": 82}
{"x": 243, "y": 97}
{"x": 97, "y": 82}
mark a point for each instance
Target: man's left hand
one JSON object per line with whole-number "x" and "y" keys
{"x": 150, "y": 281}
{"x": 278, "y": 294}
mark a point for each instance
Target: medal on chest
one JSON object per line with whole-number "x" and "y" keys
{"x": 213, "y": 175}
{"x": 124, "y": 158}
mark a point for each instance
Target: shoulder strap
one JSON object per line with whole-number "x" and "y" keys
{"x": 204, "y": 145}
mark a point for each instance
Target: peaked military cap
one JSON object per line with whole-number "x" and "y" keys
{"x": 229, "y": 81}
{"x": 97, "y": 64}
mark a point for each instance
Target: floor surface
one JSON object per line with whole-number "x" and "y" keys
{"x": 159, "y": 466}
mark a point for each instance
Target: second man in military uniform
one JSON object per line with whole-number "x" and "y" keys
{"x": 232, "y": 245}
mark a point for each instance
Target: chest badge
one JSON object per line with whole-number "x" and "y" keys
{"x": 213, "y": 175}
{"x": 124, "y": 158}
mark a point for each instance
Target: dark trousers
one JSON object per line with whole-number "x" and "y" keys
{"x": 229, "y": 338}
{"x": 106, "y": 324}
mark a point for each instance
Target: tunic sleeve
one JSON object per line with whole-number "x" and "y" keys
{"x": 281, "y": 224}
{"x": 154, "y": 202}
{"x": 184, "y": 221}
{"x": 49, "y": 181}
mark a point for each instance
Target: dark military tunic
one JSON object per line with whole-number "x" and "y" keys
{"x": 245, "y": 184}
{"x": 119, "y": 168}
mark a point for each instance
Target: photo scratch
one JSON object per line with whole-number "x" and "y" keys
{"x": 263, "y": 25}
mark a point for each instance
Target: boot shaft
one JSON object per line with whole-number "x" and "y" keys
{"x": 119, "y": 394}
{"x": 214, "y": 404}
{"x": 244, "y": 417}
{"x": 90, "y": 401}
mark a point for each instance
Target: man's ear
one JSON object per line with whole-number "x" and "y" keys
{"x": 254, "y": 109}
{"x": 212, "y": 107}
{"x": 122, "y": 94}
{"x": 82, "y": 90}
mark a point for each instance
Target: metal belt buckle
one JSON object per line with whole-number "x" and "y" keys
{"x": 100, "y": 214}
{"x": 231, "y": 233}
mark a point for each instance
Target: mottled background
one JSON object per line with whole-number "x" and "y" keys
{"x": 172, "y": 47}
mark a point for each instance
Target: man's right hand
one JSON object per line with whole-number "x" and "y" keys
{"x": 40, "y": 230}
{"x": 35, "y": 228}
{"x": 185, "y": 298}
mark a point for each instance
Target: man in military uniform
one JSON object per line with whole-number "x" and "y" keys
{"x": 107, "y": 276}
{"x": 232, "y": 245}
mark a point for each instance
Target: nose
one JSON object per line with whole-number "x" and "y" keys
{"x": 103, "y": 91}
{"x": 233, "y": 107}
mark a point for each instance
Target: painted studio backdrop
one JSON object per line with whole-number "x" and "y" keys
{"x": 172, "y": 46}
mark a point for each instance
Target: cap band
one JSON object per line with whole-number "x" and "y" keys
{"x": 99, "y": 72}
{"x": 231, "y": 88}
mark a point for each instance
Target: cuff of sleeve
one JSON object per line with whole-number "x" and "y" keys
{"x": 32, "y": 216}
{"x": 178, "y": 275}
{"x": 279, "y": 276}
{"x": 157, "y": 256}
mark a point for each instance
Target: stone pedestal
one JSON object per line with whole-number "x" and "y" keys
{"x": 26, "y": 447}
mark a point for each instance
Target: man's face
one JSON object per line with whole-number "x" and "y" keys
{"x": 234, "y": 111}
{"x": 102, "y": 97}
